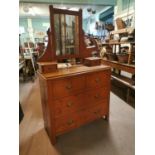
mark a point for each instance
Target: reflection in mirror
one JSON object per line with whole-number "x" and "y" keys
{"x": 66, "y": 34}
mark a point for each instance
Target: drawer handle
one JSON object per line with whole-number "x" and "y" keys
{"x": 97, "y": 80}
{"x": 70, "y": 122}
{"x": 68, "y": 87}
{"x": 69, "y": 104}
{"x": 97, "y": 96}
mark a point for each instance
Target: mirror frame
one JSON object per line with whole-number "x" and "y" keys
{"x": 50, "y": 52}
{"x": 54, "y": 11}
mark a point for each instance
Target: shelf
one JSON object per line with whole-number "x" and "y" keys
{"x": 117, "y": 43}
{"x": 121, "y": 31}
{"x": 125, "y": 80}
{"x": 121, "y": 66}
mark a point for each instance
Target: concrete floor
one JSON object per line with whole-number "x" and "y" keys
{"x": 116, "y": 137}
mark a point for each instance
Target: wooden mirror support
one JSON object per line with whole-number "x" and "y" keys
{"x": 65, "y": 27}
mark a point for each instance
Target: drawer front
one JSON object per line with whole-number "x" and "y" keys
{"x": 69, "y": 105}
{"x": 98, "y": 79}
{"x": 97, "y": 95}
{"x": 93, "y": 113}
{"x": 78, "y": 118}
{"x": 50, "y": 68}
{"x": 97, "y": 111}
{"x": 66, "y": 123}
{"x": 68, "y": 86}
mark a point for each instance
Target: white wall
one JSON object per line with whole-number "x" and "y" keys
{"x": 128, "y": 13}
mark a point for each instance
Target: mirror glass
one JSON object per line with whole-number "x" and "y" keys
{"x": 66, "y": 34}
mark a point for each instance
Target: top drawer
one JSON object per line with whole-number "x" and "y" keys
{"x": 68, "y": 86}
{"x": 98, "y": 79}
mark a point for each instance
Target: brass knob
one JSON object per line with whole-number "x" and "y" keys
{"x": 68, "y": 87}
{"x": 97, "y": 80}
{"x": 69, "y": 104}
{"x": 70, "y": 122}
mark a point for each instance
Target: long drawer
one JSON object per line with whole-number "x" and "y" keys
{"x": 68, "y": 86}
{"x": 78, "y": 102}
{"x": 76, "y": 119}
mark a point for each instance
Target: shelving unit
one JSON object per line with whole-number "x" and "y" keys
{"x": 114, "y": 44}
{"x": 128, "y": 67}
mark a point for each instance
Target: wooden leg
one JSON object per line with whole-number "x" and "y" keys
{"x": 53, "y": 140}
{"x": 52, "y": 137}
{"x": 128, "y": 95}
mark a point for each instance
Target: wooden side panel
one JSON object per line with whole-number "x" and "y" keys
{"x": 47, "y": 56}
{"x": 45, "y": 101}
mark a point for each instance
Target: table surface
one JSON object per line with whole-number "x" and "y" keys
{"x": 74, "y": 70}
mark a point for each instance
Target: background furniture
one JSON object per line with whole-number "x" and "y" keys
{"x": 122, "y": 62}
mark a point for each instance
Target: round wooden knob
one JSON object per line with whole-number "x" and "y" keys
{"x": 70, "y": 122}
{"x": 97, "y": 80}
{"x": 69, "y": 104}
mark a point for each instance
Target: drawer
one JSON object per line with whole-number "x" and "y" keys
{"x": 66, "y": 123}
{"x": 97, "y": 95}
{"x": 93, "y": 113}
{"x": 50, "y": 68}
{"x": 68, "y": 86}
{"x": 68, "y": 105}
{"x": 98, "y": 79}
{"x": 97, "y": 111}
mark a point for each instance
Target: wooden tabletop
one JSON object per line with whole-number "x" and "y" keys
{"x": 74, "y": 70}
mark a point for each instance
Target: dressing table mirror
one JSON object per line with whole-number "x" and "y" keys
{"x": 66, "y": 39}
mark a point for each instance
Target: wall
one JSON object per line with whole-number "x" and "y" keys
{"x": 35, "y": 28}
{"x": 23, "y": 25}
{"x": 83, "y": 2}
{"x": 89, "y": 23}
{"x": 125, "y": 9}
{"x": 107, "y": 16}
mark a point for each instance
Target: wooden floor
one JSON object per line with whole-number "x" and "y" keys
{"x": 33, "y": 138}
{"x": 115, "y": 137}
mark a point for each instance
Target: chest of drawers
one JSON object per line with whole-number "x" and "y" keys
{"x": 74, "y": 96}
